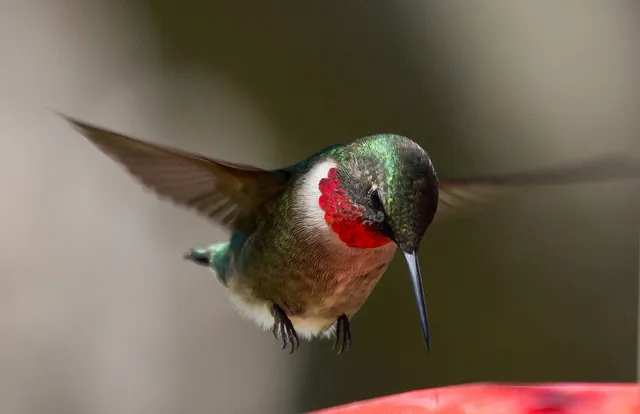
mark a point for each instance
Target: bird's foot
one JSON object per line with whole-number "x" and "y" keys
{"x": 343, "y": 335}
{"x": 283, "y": 329}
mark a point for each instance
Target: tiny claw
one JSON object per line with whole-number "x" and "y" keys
{"x": 343, "y": 335}
{"x": 287, "y": 333}
{"x": 293, "y": 339}
{"x": 338, "y": 334}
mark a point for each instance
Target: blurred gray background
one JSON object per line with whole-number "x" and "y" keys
{"x": 99, "y": 314}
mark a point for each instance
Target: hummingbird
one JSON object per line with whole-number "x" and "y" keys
{"x": 309, "y": 242}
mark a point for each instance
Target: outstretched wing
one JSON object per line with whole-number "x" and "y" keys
{"x": 462, "y": 195}
{"x": 223, "y": 192}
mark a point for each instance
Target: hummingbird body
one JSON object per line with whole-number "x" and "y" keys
{"x": 309, "y": 242}
{"x": 296, "y": 260}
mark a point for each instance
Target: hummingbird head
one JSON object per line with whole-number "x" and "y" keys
{"x": 392, "y": 180}
{"x": 384, "y": 189}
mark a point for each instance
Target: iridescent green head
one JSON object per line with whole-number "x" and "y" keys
{"x": 393, "y": 179}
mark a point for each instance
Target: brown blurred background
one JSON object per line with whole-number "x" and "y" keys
{"x": 99, "y": 314}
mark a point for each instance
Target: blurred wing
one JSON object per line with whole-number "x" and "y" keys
{"x": 463, "y": 195}
{"x": 223, "y": 192}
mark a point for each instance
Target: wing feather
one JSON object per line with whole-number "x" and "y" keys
{"x": 224, "y": 192}
{"x": 464, "y": 195}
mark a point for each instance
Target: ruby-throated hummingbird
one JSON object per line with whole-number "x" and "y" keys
{"x": 309, "y": 242}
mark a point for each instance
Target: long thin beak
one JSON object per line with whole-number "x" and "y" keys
{"x": 416, "y": 280}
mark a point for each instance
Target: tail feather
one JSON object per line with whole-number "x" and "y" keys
{"x": 215, "y": 257}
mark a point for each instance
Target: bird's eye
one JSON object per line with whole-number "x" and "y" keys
{"x": 376, "y": 201}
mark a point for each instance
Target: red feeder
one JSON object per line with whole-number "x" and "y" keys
{"x": 504, "y": 399}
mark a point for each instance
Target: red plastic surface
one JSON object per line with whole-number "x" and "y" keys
{"x": 505, "y": 399}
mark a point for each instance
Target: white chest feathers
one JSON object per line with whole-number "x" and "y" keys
{"x": 306, "y": 201}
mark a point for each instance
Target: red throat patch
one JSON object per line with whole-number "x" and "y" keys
{"x": 345, "y": 218}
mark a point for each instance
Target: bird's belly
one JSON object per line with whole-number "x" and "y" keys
{"x": 313, "y": 293}
{"x": 344, "y": 292}
{"x": 258, "y": 310}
